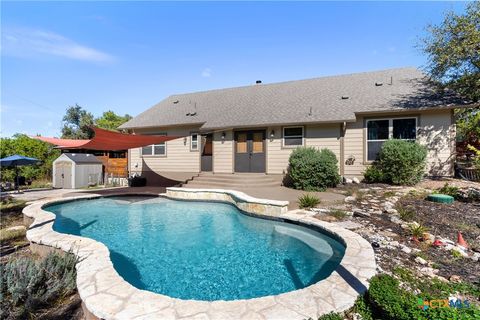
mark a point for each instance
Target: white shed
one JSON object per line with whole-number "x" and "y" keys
{"x": 76, "y": 170}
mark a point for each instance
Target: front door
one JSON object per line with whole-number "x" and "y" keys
{"x": 250, "y": 151}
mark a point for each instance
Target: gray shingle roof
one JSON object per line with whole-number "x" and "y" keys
{"x": 302, "y": 101}
{"x": 83, "y": 158}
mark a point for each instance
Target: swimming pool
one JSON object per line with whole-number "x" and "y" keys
{"x": 200, "y": 250}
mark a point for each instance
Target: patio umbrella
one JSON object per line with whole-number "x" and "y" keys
{"x": 15, "y": 161}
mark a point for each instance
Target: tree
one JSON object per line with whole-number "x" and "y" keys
{"x": 77, "y": 123}
{"x": 453, "y": 51}
{"x": 23, "y": 145}
{"x": 111, "y": 121}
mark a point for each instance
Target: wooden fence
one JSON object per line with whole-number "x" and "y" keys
{"x": 118, "y": 167}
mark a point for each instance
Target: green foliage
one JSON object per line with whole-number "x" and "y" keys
{"x": 308, "y": 201}
{"x": 362, "y": 307}
{"x": 417, "y": 230}
{"x": 373, "y": 174}
{"x": 331, "y": 316}
{"x": 111, "y": 121}
{"x": 77, "y": 123}
{"x": 337, "y": 213}
{"x": 449, "y": 190}
{"x": 9, "y": 204}
{"x": 313, "y": 170}
{"x": 453, "y": 53}
{"x": 26, "y": 286}
{"x": 406, "y": 213}
{"x": 453, "y": 62}
{"x": 25, "y": 146}
{"x": 476, "y": 160}
{"x": 389, "y": 302}
{"x": 400, "y": 162}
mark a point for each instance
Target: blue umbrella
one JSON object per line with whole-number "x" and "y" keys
{"x": 17, "y": 160}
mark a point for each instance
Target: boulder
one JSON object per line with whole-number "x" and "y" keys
{"x": 421, "y": 260}
{"x": 350, "y": 199}
{"x": 355, "y": 180}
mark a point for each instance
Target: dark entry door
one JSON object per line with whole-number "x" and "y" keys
{"x": 207, "y": 152}
{"x": 250, "y": 151}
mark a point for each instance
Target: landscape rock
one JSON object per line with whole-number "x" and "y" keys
{"x": 360, "y": 213}
{"x": 350, "y": 199}
{"x": 391, "y": 211}
{"x": 421, "y": 260}
{"x": 406, "y": 249}
{"x": 347, "y": 180}
{"x": 454, "y": 278}
{"x": 356, "y": 180}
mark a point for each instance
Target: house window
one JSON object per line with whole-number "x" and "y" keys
{"x": 194, "y": 142}
{"x": 379, "y": 131}
{"x": 155, "y": 149}
{"x": 293, "y": 136}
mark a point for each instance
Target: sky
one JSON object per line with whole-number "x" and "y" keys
{"x": 128, "y": 56}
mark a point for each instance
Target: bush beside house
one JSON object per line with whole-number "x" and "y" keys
{"x": 312, "y": 169}
{"x": 399, "y": 162}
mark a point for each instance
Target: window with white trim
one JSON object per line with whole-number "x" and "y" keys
{"x": 380, "y": 130}
{"x": 194, "y": 142}
{"x": 159, "y": 149}
{"x": 292, "y": 136}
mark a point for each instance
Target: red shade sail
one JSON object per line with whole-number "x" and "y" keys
{"x": 108, "y": 140}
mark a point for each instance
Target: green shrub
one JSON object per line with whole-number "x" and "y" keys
{"x": 331, "y": 316}
{"x": 389, "y": 302}
{"x": 337, "y": 213}
{"x": 9, "y": 235}
{"x": 313, "y": 170}
{"x": 373, "y": 174}
{"x": 308, "y": 201}
{"x": 27, "y": 286}
{"x": 448, "y": 190}
{"x": 399, "y": 162}
{"x": 417, "y": 230}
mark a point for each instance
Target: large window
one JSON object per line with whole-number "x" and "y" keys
{"x": 379, "y": 131}
{"x": 155, "y": 149}
{"x": 293, "y": 136}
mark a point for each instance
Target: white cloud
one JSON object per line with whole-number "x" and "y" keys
{"x": 25, "y": 42}
{"x": 207, "y": 73}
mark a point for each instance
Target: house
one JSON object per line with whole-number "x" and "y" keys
{"x": 255, "y": 128}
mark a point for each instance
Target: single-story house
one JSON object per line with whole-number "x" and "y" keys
{"x": 255, "y": 128}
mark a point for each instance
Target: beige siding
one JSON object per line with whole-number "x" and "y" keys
{"x": 179, "y": 158}
{"x": 353, "y": 148}
{"x": 319, "y": 136}
{"x": 437, "y": 132}
{"x": 434, "y": 130}
{"x": 223, "y": 152}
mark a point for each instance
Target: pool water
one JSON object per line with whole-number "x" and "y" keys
{"x": 200, "y": 250}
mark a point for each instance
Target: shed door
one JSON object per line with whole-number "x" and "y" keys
{"x": 63, "y": 175}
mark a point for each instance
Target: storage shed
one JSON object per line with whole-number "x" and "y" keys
{"x": 76, "y": 170}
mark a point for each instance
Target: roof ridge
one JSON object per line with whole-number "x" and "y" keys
{"x": 298, "y": 80}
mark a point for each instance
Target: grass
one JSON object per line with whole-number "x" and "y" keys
{"x": 338, "y": 214}
{"x": 11, "y": 204}
{"x": 11, "y": 235}
{"x": 307, "y": 201}
{"x": 406, "y": 213}
{"x": 388, "y": 194}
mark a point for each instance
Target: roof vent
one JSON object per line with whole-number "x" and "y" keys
{"x": 378, "y": 84}
{"x": 258, "y": 82}
{"x": 345, "y": 97}
{"x": 175, "y": 102}
{"x": 188, "y": 114}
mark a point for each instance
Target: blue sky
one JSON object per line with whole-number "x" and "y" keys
{"x": 127, "y": 56}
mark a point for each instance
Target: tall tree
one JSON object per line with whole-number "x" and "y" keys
{"x": 111, "y": 121}
{"x": 77, "y": 123}
{"x": 453, "y": 51}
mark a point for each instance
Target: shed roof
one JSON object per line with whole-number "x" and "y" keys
{"x": 326, "y": 99}
{"x": 83, "y": 158}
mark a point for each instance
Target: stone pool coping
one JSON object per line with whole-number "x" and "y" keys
{"x": 106, "y": 295}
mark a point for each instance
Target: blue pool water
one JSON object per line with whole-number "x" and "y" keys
{"x": 200, "y": 250}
